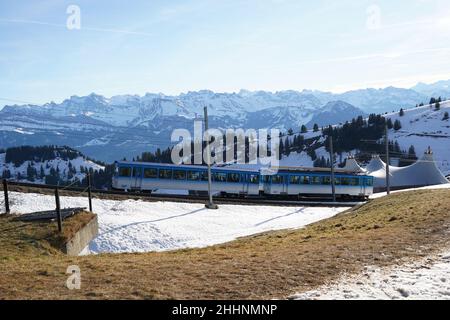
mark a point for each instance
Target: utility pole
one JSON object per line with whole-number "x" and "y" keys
{"x": 58, "y": 210}
{"x": 388, "y": 182}
{"x": 210, "y": 204}
{"x": 333, "y": 185}
{"x": 5, "y": 190}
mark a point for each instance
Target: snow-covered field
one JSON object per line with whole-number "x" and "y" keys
{"x": 428, "y": 278}
{"x": 138, "y": 226}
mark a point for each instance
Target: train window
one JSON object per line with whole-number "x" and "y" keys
{"x": 233, "y": 177}
{"x": 179, "y": 175}
{"x": 137, "y": 172}
{"x": 277, "y": 179}
{"x": 150, "y": 173}
{"x": 124, "y": 172}
{"x": 304, "y": 179}
{"x": 294, "y": 180}
{"x": 220, "y": 177}
{"x": 345, "y": 181}
{"x": 204, "y": 176}
{"x": 266, "y": 179}
{"x": 326, "y": 180}
{"x": 193, "y": 175}
{"x": 253, "y": 178}
{"x": 369, "y": 182}
{"x": 354, "y": 181}
{"x": 315, "y": 180}
{"x": 337, "y": 181}
{"x": 165, "y": 173}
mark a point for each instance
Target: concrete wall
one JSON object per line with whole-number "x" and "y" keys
{"x": 82, "y": 238}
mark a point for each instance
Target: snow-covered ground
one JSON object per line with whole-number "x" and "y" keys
{"x": 138, "y": 226}
{"x": 428, "y": 278}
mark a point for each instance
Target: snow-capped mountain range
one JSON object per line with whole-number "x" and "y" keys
{"x": 111, "y": 128}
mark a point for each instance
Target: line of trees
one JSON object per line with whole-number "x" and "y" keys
{"x": 18, "y": 155}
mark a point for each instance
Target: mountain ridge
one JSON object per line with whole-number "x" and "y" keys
{"x": 126, "y": 125}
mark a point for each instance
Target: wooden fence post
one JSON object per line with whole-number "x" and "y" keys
{"x": 58, "y": 210}
{"x": 89, "y": 192}
{"x": 5, "y": 190}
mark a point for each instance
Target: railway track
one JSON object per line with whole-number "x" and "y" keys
{"x": 122, "y": 195}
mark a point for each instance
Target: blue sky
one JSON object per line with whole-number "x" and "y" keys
{"x": 176, "y": 46}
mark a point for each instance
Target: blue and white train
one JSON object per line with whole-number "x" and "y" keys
{"x": 226, "y": 181}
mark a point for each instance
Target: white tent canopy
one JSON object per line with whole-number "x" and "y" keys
{"x": 352, "y": 165}
{"x": 375, "y": 164}
{"x": 422, "y": 173}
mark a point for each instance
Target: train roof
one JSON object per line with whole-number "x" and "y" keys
{"x": 270, "y": 170}
{"x": 186, "y": 166}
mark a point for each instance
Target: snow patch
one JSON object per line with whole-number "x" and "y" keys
{"x": 426, "y": 278}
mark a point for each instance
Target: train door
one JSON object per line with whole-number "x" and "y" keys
{"x": 136, "y": 178}
{"x": 245, "y": 181}
{"x": 285, "y": 184}
{"x": 362, "y": 184}
{"x": 266, "y": 180}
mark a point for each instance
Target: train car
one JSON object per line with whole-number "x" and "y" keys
{"x": 316, "y": 182}
{"x": 150, "y": 177}
{"x": 277, "y": 182}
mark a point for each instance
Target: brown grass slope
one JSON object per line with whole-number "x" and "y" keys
{"x": 272, "y": 265}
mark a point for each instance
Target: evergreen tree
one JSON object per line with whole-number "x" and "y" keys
{"x": 31, "y": 172}
{"x": 446, "y": 117}
{"x": 412, "y": 152}
{"x": 389, "y": 123}
{"x": 320, "y": 162}
{"x": 316, "y": 127}
{"x": 312, "y": 154}
{"x": 402, "y": 112}
{"x": 303, "y": 129}
{"x": 6, "y": 174}
{"x": 397, "y": 148}
{"x": 397, "y": 125}
{"x": 437, "y": 106}
{"x": 290, "y": 132}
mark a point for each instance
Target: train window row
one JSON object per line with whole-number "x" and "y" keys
{"x": 318, "y": 180}
{"x": 169, "y": 174}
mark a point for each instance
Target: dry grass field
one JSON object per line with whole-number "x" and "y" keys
{"x": 383, "y": 232}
